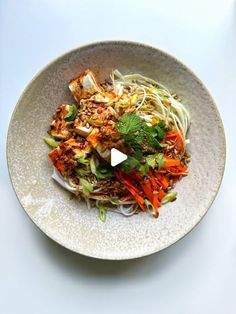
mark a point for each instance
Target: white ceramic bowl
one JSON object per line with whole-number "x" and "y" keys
{"x": 68, "y": 221}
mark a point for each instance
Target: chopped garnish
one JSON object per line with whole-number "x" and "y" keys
{"x": 129, "y": 163}
{"x": 170, "y": 197}
{"x": 71, "y": 115}
{"x": 104, "y": 171}
{"x": 81, "y": 159}
{"x": 92, "y": 165}
{"x": 151, "y": 160}
{"x": 102, "y": 212}
{"x": 51, "y": 142}
{"x": 160, "y": 160}
{"x": 82, "y": 172}
{"x": 87, "y": 187}
{"x": 143, "y": 168}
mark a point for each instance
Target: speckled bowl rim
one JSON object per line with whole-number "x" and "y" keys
{"x": 120, "y": 42}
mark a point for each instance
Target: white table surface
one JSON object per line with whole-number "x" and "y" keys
{"x": 198, "y": 274}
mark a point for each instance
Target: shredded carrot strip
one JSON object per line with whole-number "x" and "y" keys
{"x": 147, "y": 188}
{"x": 162, "y": 179}
{"x": 132, "y": 189}
{"x": 170, "y": 162}
{"x": 128, "y": 197}
{"x": 156, "y": 204}
{"x": 161, "y": 194}
{"x": 178, "y": 140}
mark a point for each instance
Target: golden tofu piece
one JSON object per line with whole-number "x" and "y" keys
{"x": 84, "y": 86}
{"x": 59, "y": 128}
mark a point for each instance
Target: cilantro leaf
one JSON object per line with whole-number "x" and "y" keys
{"x": 129, "y": 123}
{"x": 153, "y": 142}
{"x": 104, "y": 171}
{"x": 162, "y": 124}
{"x": 131, "y": 127}
{"x": 160, "y": 132}
{"x": 150, "y": 130}
{"x": 154, "y": 135}
{"x": 129, "y": 163}
{"x": 133, "y": 139}
{"x": 138, "y": 154}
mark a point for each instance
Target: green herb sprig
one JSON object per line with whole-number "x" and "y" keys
{"x": 136, "y": 133}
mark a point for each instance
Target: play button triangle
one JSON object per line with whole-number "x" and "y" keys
{"x": 117, "y": 157}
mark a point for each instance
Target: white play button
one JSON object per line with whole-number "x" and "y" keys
{"x": 117, "y": 157}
